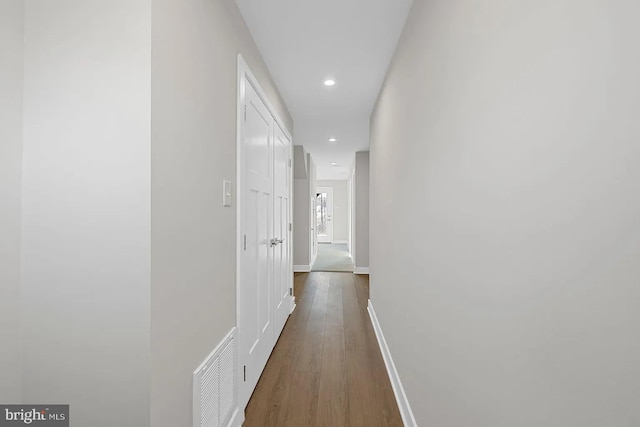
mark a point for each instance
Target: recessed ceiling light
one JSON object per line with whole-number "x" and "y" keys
{"x": 332, "y": 140}
{"x": 335, "y": 164}
{"x": 329, "y": 82}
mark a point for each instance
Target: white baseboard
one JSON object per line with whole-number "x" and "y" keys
{"x": 301, "y": 268}
{"x": 403, "y": 403}
{"x": 236, "y": 419}
{"x": 361, "y": 270}
{"x": 340, "y": 242}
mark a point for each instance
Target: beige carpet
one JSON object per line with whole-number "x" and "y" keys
{"x": 333, "y": 257}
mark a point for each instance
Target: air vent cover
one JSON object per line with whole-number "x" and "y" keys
{"x": 214, "y": 393}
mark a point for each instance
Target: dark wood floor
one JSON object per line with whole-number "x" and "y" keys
{"x": 326, "y": 369}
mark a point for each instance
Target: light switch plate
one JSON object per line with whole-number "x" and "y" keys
{"x": 226, "y": 193}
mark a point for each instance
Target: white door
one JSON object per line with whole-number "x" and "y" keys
{"x": 281, "y": 243}
{"x": 324, "y": 214}
{"x": 255, "y": 325}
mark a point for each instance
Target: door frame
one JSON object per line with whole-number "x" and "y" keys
{"x": 329, "y": 191}
{"x": 313, "y": 236}
{"x": 244, "y": 74}
{"x": 352, "y": 215}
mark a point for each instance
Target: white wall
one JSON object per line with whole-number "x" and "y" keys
{"x": 195, "y": 44}
{"x": 361, "y": 258}
{"x": 304, "y": 191}
{"x": 352, "y": 210}
{"x": 11, "y": 52}
{"x": 107, "y": 279}
{"x": 313, "y": 188}
{"x": 86, "y": 208}
{"x": 340, "y": 208}
{"x": 301, "y": 207}
{"x": 505, "y": 203}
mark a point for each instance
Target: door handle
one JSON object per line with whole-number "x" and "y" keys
{"x": 275, "y": 242}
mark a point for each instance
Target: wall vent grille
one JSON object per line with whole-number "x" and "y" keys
{"x": 214, "y": 393}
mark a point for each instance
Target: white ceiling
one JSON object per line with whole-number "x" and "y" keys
{"x": 303, "y": 42}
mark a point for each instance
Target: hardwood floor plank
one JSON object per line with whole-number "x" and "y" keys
{"x": 361, "y": 285}
{"x": 360, "y": 366}
{"x": 292, "y": 337}
{"x": 362, "y": 391}
{"x": 333, "y": 398}
{"x": 335, "y": 314}
{"x": 302, "y": 405}
{"x": 275, "y": 383}
{"x": 327, "y": 369}
{"x": 353, "y": 329}
{"x": 309, "y": 356}
{"x": 384, "y": 391}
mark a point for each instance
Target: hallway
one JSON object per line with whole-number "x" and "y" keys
{"x": 326, "y": 369}
{"x": 168, "y": 166}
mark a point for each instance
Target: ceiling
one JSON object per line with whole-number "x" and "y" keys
{"x": 304, "y": 42}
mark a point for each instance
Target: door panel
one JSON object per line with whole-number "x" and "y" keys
{"x": 265, "y": 263}
{"x": 281, "y": 257}
{"x": 256, "y": 317}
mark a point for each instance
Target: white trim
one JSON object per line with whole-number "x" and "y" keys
{"x": 225, "y": 341}
{"x": 301, "y": 268}
{"x": 238, "y": 193}
{"x": 242, "y": 72}
{"x": 401, "y": 398}
{"x": 361, "y": 270}
{"x": 237, "y": 418}
{"x": 243, "y": 68}
{"x": 340, "y": 242}
{"x": 292, "y": 283}
{"x": 292, "y": 304}
{"x": 313, "y": 259}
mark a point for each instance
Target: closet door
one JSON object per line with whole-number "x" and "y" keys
{"x": 265, "y": 271}
{"x": 282, "y": 275}
{"x": 255, "y": 320}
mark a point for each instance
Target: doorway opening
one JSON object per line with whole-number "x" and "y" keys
{"x": 324, "y": 214}
{"x": 333, "y": 254}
